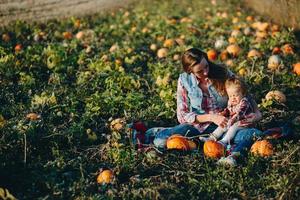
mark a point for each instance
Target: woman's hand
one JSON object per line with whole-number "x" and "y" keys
{"x": 249, "y": 120}
{"x": 219, "y": 120}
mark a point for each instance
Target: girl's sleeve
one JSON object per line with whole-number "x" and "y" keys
{"x": 183, "y": 113}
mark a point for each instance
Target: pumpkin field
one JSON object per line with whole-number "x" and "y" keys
{"x": 69, "y": 88}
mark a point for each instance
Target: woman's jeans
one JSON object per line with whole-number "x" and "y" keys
{"x": 241, "y": 142}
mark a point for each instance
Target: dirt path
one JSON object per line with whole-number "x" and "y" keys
{"x": 40, "y": 10}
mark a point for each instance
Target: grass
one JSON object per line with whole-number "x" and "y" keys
{"x": 78, "y": 86}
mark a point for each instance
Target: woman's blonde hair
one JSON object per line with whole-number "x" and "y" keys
{"x": 217, "y": 73}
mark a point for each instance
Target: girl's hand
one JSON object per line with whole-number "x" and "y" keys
{"x": 219, "y": 120}
{"x": 249, "y": 120}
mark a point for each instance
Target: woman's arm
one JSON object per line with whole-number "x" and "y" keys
{"x": 184, "y": 115}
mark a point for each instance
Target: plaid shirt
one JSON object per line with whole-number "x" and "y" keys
{"x": 184, "y": 112}
{"x": 239, "y": 111}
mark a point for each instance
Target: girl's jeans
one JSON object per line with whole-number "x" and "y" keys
{"x": 241, "y": 142}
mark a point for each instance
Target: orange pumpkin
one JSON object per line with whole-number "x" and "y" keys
{"x": 213, "y": 149}
{"x": 277, "y": 95}
{"x": 178, "y": 142}
{"x": 234, "y": 50}
{"x": 192, "y": 145}
{"x": 18, "y": 48}
{"x": 212, "y": 55}
{"x": 287, "y": 49}
{"x": 106, "y": 176}
{"x": 276, "y": 50}
{"x": 297, "y": 68}
{"x": 162, "y": 53}
{"x": 168, "y": 43}
{"x": 33, "y": 116}
{"x": 67, "y": 35}
{"x": 263, "y": 148}
{"x": 254, "y": 53}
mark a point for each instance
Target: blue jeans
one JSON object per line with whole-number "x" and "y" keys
{"x": 242, "y": 140}
{"x": 183, "y": 129}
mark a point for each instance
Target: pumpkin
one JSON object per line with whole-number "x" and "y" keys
{"x": 297, "y": 68}
{"x": 77, "y": 23}
{"x": 212, "y": 55}
{"x": 247, "y": 31}
{"x": 236, "y": 33}
{"x": 106, "y": 176}
{"x": 213, "y": 149}
{"x": 192, "y": 145}
{"x": 249, "y": 18}
{"x": 176, "y": 57}
{"x": 276, "y": 50}
{"x": 261, "y": 34}
{"x": 234, "y": 50}
{"x": 224, "y": 55}
{"x": 254, "y": 53}
{"x": 168, "y": 43}
{"x": 67, "y": 35}
{"x": 232, "y": 40}
{"x": 162, "y": 53}
{"x": 18, "y": 48}
{"x": 287, "y": 49}
{"x": 220, "y": 43}
{"x": 185, "y": 20}
{"x": 277, "y": 95}
{"x": 274, "y": 62}
{"x": 263, "y": 148}
{"x": 117, "y": 124}
{"x": 79, "y": 35}
{"x": 180, "y": 41}
{"x": 178, "y": 142}
{"x": 5, "y": 37}
{"x": 153, "y": 47}
{"x": 242, "y": 72}
{"x": 113, "y": 48}
{"x": 33, "y": 116}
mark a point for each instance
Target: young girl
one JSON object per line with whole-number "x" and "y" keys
{"x": 238, "y": 108}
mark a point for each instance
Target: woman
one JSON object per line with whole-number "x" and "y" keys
{"x": 200, "y": 96}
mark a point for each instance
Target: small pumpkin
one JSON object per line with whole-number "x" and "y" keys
{"x": 236, "y": 33}
{"x": 220, "y": 43}
{"x": 168, "y": 43}
{"x": 33, "y": 116}
{"x": 296, "y": 69}
{"x": 105, "y": 177}
{"x": 213, "y": 149}
{"x": 192, "y": 145}
{"x": 277, "y": 95}
{"x": 212, "y": 55}
{"x": 276, "y": 50}
{"x": 178, "y": 142}
{"x": 18, "y": 48}
{"x": 153, "y": 47}
{"x": 224, "y": 55}
{"x": 162, "y": 53}
{"x": 263, "y": 148}
{"x": 67, "y": 35}
{"x": 287, "y": 49}
{"x": 234, "y": 50}
{"x": 274, "y": 62}
{"x": 5, "y": 37}
{"x": 117, "y": 124}
{"x": 254, "y": 53}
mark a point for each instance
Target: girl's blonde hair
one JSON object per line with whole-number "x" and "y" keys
{"x": 236, "y": 82}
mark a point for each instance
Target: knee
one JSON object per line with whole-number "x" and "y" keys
{"x": 160, "y": 143}
{"x": 247, "y": 134}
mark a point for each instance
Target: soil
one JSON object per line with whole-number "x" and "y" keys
{"x": 42, "y": 10}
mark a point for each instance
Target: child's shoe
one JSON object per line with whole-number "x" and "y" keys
{"x": 227, "y": 161}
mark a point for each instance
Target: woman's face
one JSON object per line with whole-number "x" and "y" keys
{"x": 200, "y": 70}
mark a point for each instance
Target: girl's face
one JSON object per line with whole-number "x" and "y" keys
{"x": 200, "y": 70}
{"x": 234, "y": 94}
